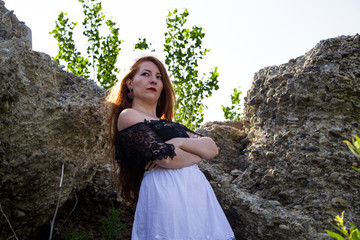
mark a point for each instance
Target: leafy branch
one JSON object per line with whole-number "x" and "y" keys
{"x": 143, "y": 45}
{"x": 233, "y": 112}
{"x": 102, "y": 50}
{"x": 68, "y": 52}
{"x": 183, "y": 48}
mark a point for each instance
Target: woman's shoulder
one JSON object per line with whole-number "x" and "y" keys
{"x": 129, "y": 117}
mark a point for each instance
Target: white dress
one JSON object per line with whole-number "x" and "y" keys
{"x": 179, "y": 204}
{"x": 173, "y": 204}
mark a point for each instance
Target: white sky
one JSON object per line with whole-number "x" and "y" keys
{"x": 244, "y": 36}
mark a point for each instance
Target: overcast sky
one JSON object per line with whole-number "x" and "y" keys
{"x": 244, "y": 36}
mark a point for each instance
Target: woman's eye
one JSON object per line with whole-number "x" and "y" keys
{"x": 159, "y": 77}
{"x": 145, "y": 74}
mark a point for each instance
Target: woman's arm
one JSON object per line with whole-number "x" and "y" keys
{"x": 139, "y": 147}
{"x": 189, "y": 151}
{"x": 181, "y": 160}
{"x": 204, "y": 147}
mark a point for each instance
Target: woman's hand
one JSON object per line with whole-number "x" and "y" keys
{"x": 193, "y": 135}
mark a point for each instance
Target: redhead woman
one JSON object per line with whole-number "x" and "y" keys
{"x": 157, "y": 159}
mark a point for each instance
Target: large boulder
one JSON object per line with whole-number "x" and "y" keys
{"x": 296, "y": 117}
{"x": 48, "y": 118}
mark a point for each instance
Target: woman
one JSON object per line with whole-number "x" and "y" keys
{"x": 157, "y": 159}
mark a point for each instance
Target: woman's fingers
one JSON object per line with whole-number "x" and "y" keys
{"x": 150, "y": 165}
{"x": 147, "y": 166}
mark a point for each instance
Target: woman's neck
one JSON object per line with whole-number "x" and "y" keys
{"x": 145, "y": 109}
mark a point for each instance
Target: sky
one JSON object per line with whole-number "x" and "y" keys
{"x": 244, "y": 35}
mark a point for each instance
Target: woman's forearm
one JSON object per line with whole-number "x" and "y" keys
{"x": 204, "y": 147}
{"x": 189, "y": 151}
{"x": 182, "y": 159}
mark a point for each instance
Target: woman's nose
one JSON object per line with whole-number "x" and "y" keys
{"x": 153, "y": 80}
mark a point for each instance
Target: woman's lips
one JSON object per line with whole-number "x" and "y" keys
{"x": 152, "y": 89}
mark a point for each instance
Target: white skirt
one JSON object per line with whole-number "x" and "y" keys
{"x": 179, "y": 204}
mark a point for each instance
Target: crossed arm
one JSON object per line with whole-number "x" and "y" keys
{"x": 189, "y": 151}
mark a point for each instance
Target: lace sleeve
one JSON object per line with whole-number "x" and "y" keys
{"x": 137, "y": 145}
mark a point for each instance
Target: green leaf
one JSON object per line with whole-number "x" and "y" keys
{"x": 335, "y": 235}
{"x": 354, "y": 232}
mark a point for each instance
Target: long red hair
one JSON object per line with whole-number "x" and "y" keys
{"x": 129, "y": 179}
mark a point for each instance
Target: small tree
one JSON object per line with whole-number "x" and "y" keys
{"x": 233, "y": 112}
{"x": 68, "y": 52}
{"x": 102, "y": 50}
{"x": 183, "y": 51}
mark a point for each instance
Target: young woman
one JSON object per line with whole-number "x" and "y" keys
{"x": 157, "y": 161}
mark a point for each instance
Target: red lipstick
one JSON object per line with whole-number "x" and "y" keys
{"x": 152, "y": 89}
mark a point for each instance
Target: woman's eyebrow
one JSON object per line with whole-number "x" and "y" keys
{"x": 147, "y": 70}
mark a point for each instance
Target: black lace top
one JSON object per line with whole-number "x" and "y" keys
{"x": 145, "y": 141}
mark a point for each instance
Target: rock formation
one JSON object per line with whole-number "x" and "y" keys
{"x": 296, "y": 116}
{"x": 48, "y": 118}
{"x": 283, "y": 172}
{"x": 295, "y": 175}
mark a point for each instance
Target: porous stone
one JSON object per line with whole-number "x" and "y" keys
{"x": 48, "y": 118}
{"x": 316, "y": 109}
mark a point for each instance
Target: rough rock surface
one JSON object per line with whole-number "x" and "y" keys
{"x": 296, "y": 116}
{"x": 48, "y": 118}
{"x": 283, "y": 172}
{"x": 295, "y": 174}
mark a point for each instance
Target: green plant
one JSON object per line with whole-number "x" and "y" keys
{"x": 183, "y": 49}
{"x": 112, "y": 225}
{"x": 74, "y": 235}
{"x": 102, "y": 50}
{"x": 354, "y": 148}
{"x": 68, "y": 52}
{"x": 143, "y": 45}
{"x": 233, "y": 112}
{"x": 351, "y": 234}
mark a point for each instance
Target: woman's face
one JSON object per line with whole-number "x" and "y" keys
{"x": 147, "y": 83}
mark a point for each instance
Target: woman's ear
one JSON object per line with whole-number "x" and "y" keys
{"x": 129, "y": 83}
